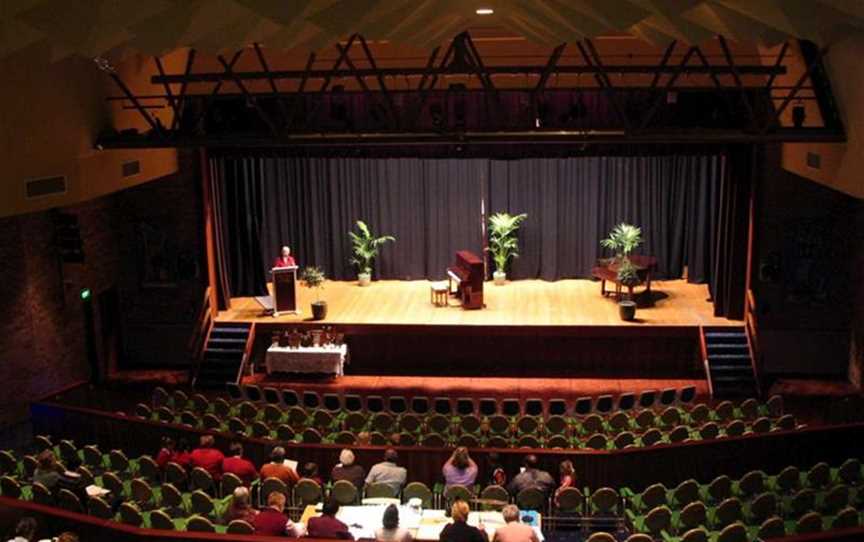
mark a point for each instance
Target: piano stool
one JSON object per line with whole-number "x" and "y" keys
{"x": 438, "y": 294}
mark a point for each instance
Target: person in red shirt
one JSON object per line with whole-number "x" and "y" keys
{"x": 238, "y": 465}
{"x": 208, "y": 457}
{"x": 278, "y": 469}
{"x": 286, "y": 259}
{"x": 182, "y": 456}
{"x": 326, "y": 525}
{"x": 272, "y": 520}
{"x": 166, "y": 452}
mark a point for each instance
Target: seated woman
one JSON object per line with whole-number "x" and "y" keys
{"x": 241, "y": 507}
{"x": 459, "y": 530}
{"x": 48, "y": 470}
{"x": 310, "y": 471}
{"x": 390, "y": 531}
{"x": 567, "y": 477}
{"x": 460, "y": 469}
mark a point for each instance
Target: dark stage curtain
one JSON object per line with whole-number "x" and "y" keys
{"x": 729, "y": 277}
{"x": 434, "y": 207}
{"x": 572, "y": 203}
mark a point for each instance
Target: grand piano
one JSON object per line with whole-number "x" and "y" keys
{"x": 467, "y": 274}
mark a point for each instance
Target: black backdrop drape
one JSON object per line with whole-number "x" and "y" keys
{"x": 435, "y": 207}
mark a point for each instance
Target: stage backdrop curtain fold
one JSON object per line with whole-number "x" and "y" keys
{"x": 572, "y": 203}
{"x": 729, "y": 278}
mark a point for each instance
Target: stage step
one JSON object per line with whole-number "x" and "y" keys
{"x": 730, "y": 366}
{"x": 223, "y": 355}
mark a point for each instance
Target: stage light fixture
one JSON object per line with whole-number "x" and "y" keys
{"x": 484, "y": 11}
{"x": 85, "y": 294}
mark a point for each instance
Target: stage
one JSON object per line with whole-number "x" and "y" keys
{"x": 518, "y": 303}
{"x": 529, "y": 329}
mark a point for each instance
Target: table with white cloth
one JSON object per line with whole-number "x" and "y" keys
{"x": 327, "y": 359}
{"x": 423, "y": 524}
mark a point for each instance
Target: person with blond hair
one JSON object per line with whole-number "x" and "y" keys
{"x": 460, "y": 469}
{"x": 514, "y": 531}
{"x": 241, "y": 506}
{"x": 459, "y": 530}
{"x": 272, "y": 520}
{"x": 348, "y": 470}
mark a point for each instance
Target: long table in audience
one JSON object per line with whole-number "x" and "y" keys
{"x": 425, "y": 524}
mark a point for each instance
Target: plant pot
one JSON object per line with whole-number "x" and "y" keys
{"x": 319, "y": 310}
{"x": 627, "y": 310}
{"x": 499, "y": 277}
{"x": 364, "y": 279}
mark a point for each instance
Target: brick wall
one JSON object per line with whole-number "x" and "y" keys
{"x": 42, "y": 345}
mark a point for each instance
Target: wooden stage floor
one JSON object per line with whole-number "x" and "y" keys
{"x": 518, "y": 303}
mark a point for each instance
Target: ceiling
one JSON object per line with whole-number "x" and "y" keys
{"x": 98, "y": 27}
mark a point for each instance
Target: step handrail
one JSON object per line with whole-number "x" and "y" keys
{"x": 704, "y": 350}
{"x": 247, "y": 353}
{"x": 751, "y": 330}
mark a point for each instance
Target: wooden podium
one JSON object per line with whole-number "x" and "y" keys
{"x": 284, "y": 290}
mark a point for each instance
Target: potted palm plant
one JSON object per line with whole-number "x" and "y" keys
{"x": 365, "y": 246}
{"x": 312, "y": 277}
{"x": 503, "y": 243}
{"x": 624, "y": 239}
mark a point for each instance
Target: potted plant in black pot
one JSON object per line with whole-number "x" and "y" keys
{"x": 624, "y": 239}
{"x": 312, "y": 277}
{"x": 365, "y": 246}
{"x": 627, "y": 277}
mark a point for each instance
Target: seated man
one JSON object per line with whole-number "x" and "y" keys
{"x": 514, "y": 531}
{"x": 388, "y": 472}
{"x": 531, "y": 476}
{"x": 278, "y": 469}
{"x": 238, "y": 465}
{"x": 326, "y": 525}
{"x": 207, "y": 457}
{"x": 272, "y": 520}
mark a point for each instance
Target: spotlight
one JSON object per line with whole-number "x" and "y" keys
{"x": 484, "y": 11}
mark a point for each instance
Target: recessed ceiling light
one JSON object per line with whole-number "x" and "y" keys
{"x": 485, "y": 11}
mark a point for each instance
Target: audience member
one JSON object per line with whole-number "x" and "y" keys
{"x": 310, "y": 471}
{"x": 67, "y": 537}
{"x": 459, "y": 530}
{"x": 25, "y": 530}
{"x": 326, "y": 525}
{"x": 390, "y": 531}
{"x": 497, "y": 476}
{"x": 531, "y": 476}
{"x": 567, "y": 477}
{"x": 166, "y": 452}
{"x": 388, "y": 472}
{"x": 278, "y": 469}
{"x": 207, "y": 457}
{"x": 272, "y": 520}
{"x": 183, "y": 456}
{"x": 241, "y": 506}
{"x": 460, "y": 469}
{"x": 346, "y": 469}
{"x": 514, "y": 531}
{"x": 364, "y": 438}
{"x": 238, "y": 465}
{"x": 47, "y": 470}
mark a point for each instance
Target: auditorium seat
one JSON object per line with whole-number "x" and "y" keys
{"x": 626, "y": 401}
{"x": 604, "y": 404}
{"x": 420, "y": 405}
{"x": 647, "y": 398}
{"x": 488, "y": 406}
{"x": 332, "y": 402}
{"x": 557, "y": 407}
{"x": 397, "y": 405}
{"x": 374, "y": 404}
{"x": 442, "y": 405}
{"x": 234, "y": 392}
{"x": 311, "y": 399}
{"x": 511, "y": 407}
{"x": 533, "y": 407}
{"x": 271, "y": 395}
{"x": 687, "y": 395}
{"x": 583, "y": 406}
{"x": 290, "y": 398}
{"x": 252, "y": 392}
{"x": 464, "y": 406}
{"x": 668, "y": 396}
{"x": 353, "y": 403}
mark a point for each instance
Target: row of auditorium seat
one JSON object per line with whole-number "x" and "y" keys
{"x": 755, "y": 506}
{"x": 485, "y": 406}
{"x": 612, "y": 431}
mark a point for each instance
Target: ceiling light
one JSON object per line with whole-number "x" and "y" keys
{"x": 485, "y": 11}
